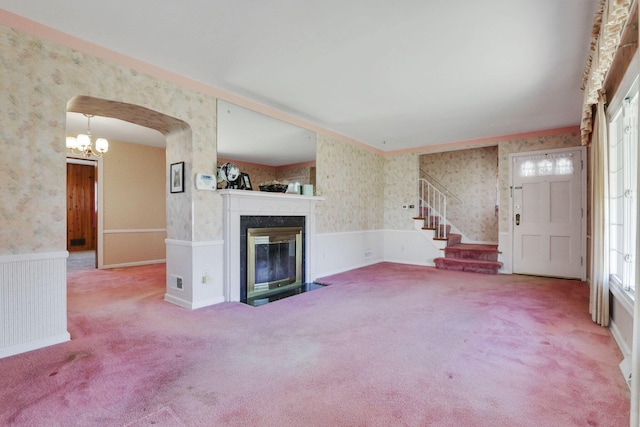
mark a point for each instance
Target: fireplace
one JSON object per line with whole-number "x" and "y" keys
{"x": 274, "y": 260}
{"x": 262, "y": 209}
{"x": 272, "y": 257}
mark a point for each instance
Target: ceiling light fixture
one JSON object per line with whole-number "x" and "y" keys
{"x": 82, "y": 143}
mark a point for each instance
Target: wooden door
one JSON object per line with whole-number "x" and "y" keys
{"x": 81, "y": 212}
{"x": 547, "y": 213}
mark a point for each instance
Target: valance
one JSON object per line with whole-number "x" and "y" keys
{"x": 608, "y": 24}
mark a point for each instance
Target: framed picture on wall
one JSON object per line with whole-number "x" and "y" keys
{"x": 176, "y": 177}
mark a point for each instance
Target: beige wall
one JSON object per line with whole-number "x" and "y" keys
{"x": 134, "y": 198}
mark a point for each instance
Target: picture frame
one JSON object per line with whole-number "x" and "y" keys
{"x": 245, "y": 181}
{"x": 176, "y": 177}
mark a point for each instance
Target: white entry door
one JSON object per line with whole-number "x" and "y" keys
{"x": 547, "y": 215}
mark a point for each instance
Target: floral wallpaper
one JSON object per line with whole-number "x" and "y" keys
{"x": 302, "y": 174}
{"x": 471, "y": 175}
{"x": 400, "y": 187}
{"x": 352, "y": 182}
{"x": 38, "y": 79}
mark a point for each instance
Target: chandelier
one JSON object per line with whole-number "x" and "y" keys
{"x": 82, "y": 143}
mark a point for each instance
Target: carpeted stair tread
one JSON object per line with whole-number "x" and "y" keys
{"x": 472, "y": 251}
{"x": 468, "y": 265}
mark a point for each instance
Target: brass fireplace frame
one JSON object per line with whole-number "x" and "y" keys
{"x": 272, "y": 235}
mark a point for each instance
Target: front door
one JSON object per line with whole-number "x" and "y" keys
{"x": 547, "y": 218}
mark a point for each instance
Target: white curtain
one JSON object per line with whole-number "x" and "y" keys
{"x": 599, "y": 301}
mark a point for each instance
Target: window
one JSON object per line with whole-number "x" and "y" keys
{"x": 623, "y": 161}
{"x": 547, "y": 164}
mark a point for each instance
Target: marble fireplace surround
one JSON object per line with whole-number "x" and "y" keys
{"x": 238, "y": 203}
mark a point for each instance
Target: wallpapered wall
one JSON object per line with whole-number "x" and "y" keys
{"x": 471, "y": 175}
{"x": 351, "y": 180}
{"x": 362, "y": 189}
{"x": 302, "y": 174}
{"x": 401, "y": 178}
{"x": 38, "y": 79}
{"x": 400, "y": 187}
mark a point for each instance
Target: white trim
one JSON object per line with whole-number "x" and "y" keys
{"x": 191, "y": 244}
{"x": 138, "y": 230}
{"x": 629, "y": 79}
{"x": 135, "y": 264}
{"x": 622, "y": 296}
{"x": 342, "y": 233}
{"x": 34, "y": 345}
{"x": 76, "y": 161}
{"x": 35, "y": 256}
{"x": 192, "y": 306}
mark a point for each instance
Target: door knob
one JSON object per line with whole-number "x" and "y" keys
{"x": 517, "y": 219}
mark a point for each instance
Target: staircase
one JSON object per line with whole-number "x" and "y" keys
{"x": 458, "y": 256}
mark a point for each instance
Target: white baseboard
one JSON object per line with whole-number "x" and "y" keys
{"x": 34, "y": 345}
{"x": 192, "y": 306}
{"x": 135, "y": 264}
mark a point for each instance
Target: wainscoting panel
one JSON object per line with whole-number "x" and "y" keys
{"x": 410, "y": 247}
{"x": 33, "y": 301}
{"x": 198, "y": 268}
{"x": 338, "y": 252}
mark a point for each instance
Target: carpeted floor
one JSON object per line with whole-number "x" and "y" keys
{"x": 385, "y": 345}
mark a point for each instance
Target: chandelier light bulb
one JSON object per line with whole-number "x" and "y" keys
{"x": 82, "y": 143}
{"x": 102, "y": 145}
{"x": 72, "y": 142}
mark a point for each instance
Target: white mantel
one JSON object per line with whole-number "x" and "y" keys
{"x": 238, "y": 203}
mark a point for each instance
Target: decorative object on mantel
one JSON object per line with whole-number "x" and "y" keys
{"x": 244, "y": 182}
{"x": 274, "y": 186}
{"x": 82, "y": 143}
{"x": 229, "y": 172}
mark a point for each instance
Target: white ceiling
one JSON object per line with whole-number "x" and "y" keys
{"x": 114, "y": 129}
{"x": 392, "y": 74}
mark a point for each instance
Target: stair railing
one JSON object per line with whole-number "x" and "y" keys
{"x": 440, "y": 186}
{"x": 433, "y": 208}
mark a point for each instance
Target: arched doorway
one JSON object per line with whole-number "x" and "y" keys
{"x": 121, "y": 243}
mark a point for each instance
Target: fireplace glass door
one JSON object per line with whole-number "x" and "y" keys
{"x": 274, "y": 260}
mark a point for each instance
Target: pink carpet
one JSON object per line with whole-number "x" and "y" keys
{"x": 385, "y": 345}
